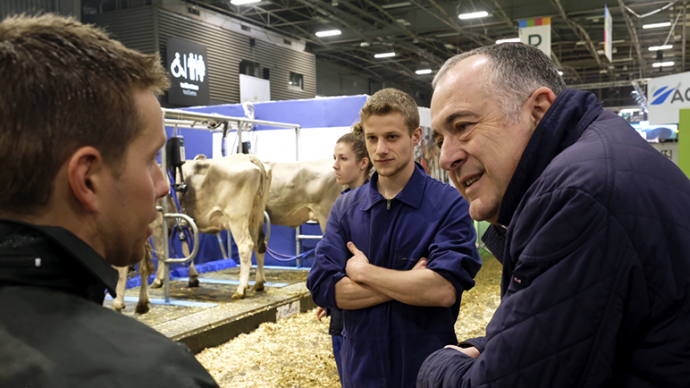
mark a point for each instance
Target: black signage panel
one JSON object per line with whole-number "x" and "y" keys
{"x": 188, "y": 73}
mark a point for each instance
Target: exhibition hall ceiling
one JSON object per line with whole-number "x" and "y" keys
{"x": 423, "y": 33}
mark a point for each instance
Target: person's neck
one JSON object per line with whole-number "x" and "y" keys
{"x": 390, "y": 186}
{"x": 360, "y": 181}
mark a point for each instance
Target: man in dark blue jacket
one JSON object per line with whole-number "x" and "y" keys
{"x": 592, "y": 226}
{"x": 396, "y": 256}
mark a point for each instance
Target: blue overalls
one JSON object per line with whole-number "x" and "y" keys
{"x": 385, "y": 345}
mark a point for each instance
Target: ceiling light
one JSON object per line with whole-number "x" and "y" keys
{"x": 509, "y": 40}
{"x": 321, "y": 34}
{"x": 603, "y": 71}
{"x": 423, "y": 71}
{"x": 384, "y": 55}
{"x": 473, "y": 15}
{"x": 560, "y": 72}
{"x": 396, "y": 5}
{"x": 663, "y": 64}
{"x": 656, "y": 25}
{"x": 449, "y": 46}
{"x": 657, "y": 48}
{"x": 241, "y": 2}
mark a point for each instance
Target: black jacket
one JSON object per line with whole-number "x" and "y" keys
{"x": 596, "y": 264}
{"x": 54, "y": 331}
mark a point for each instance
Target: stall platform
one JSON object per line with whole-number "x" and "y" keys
{"x": 208, "y": 316}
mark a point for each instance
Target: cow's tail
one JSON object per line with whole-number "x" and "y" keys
{"x": 262, "y": 198}
{"x": 146, "y": 264}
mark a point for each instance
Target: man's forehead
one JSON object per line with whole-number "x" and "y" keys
{"x": 470, "y": 73}
{"x": 393, "y": 121}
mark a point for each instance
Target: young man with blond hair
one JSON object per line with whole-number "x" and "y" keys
{"x": 80, "y": 127}
{"x": 397, "y": 254}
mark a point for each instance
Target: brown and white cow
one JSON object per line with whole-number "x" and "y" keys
{"x": 230, "y": 193}
{"x": 302, "y": 191}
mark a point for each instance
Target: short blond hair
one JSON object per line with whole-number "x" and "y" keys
{"x": 391, "y": 100}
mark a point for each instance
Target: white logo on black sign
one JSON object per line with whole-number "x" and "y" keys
{"x": 191, "y": 67}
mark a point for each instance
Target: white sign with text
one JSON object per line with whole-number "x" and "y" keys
{"x": 666, "y": 96}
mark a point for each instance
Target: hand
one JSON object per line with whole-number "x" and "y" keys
{"x": 320, "y": 313}
{"x": 421, "y": 264}
{"x": 357, "y": 264}
{"x": 472, "y": 352}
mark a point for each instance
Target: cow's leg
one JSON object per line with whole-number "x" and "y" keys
{"x": 193, "y": 275}
{"x": 323, "y": 218}
{"x": 160, "y": 273}
{"x": 158, "y": 246}
{"x": 259, "y": 251}
{"x": 145, "y": 269}
{"x": 245, "y": 247}
{"x": 119, "y": 301}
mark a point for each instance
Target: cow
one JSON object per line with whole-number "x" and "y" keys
{"x": 302, "y": 191}
{"x": 228, "y": 193}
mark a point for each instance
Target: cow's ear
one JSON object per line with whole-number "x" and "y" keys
{"x": 200, "y": 157}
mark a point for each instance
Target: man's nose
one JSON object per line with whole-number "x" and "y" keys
{"x": 451, "y": 155}
{"x": 161, "y": 184}
{"x": 381, "y": 148}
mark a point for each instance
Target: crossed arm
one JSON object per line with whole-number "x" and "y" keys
{"x": 367, "y": 285}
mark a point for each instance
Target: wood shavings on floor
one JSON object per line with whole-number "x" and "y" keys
{"x": 297, "y": 352}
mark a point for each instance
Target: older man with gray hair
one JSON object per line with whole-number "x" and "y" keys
{"x": 590, "y": 223}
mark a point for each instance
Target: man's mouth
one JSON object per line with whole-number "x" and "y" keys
{"x": 470, "y": 181}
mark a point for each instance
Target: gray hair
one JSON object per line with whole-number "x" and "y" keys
{"x": 516, "y": 70}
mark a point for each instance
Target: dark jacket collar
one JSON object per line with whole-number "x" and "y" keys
{"x": 48, "y": 256}
{"x": 411, "y": 194}
{"x": 571, "y": 113}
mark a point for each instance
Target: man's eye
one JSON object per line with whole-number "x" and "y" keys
{"x": 461, "y": 127}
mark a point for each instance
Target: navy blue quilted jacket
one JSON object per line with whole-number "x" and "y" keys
{"x": 596, "y": 277}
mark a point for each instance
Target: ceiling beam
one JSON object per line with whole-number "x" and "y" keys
{"x": 480, "y": 39}
{"x": 503, "y": 16}
{"x": 354, "y": 65}
{"x": 635, "y": 39}
{"x": 394, "y": 23}
{"x": 612, "y": 84}
{"x": 300, "y": 34}
{"x": 331, "y": 15}
{"x": 583, "y": 35}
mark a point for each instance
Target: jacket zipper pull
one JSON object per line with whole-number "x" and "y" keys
{"x": 388, "y": 207}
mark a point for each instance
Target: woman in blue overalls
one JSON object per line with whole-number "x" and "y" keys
{"x": 352, "y": 169}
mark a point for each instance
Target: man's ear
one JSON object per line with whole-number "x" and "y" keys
{"x": 86, "y": 172}
{"x": 417, "y": 135}
{"x": 540, "y": 101}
